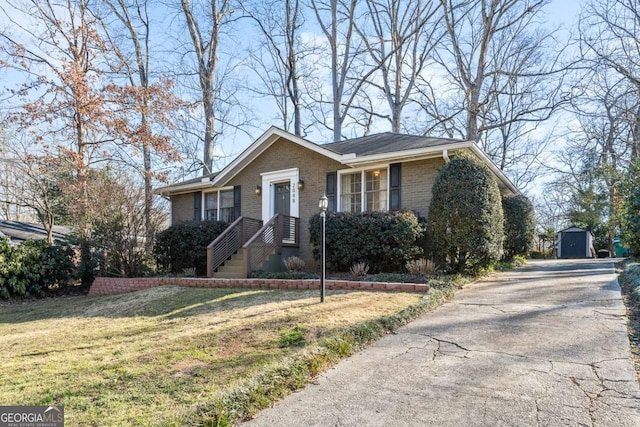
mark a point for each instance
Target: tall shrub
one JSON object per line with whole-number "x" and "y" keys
{"x": 384, "y": 240}
{"x": 184, "y": 246}
{"x": 465, "y": 217}
{"x": 519, "y": 225}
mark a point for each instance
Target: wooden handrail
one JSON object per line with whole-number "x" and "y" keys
{"x": 269, "y": 239}
{"x": 227, "y": 243}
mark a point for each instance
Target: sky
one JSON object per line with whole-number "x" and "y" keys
{"x": 560, "y": 13}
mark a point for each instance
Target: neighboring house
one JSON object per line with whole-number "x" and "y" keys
{"x": 282, "y": 173}
{"x": 575, "y": 242}
{"x": 18, "y": 231}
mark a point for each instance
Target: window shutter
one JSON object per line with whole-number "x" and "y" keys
{"x": 237, "y": 202}
{"x": 197, "y": 206}
{"x": 332, "y": 188}
{"x": 394, "y": 186}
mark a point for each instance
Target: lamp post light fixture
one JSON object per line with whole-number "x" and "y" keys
{"x": 323, "y": 204}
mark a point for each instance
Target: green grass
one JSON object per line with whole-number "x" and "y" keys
{"x": 173, "y": 356}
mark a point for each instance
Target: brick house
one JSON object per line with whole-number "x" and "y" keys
{"x": 271, "y": 190}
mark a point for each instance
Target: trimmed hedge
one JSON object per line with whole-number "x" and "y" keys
{"x": 184, "y": 246}
{"x": 631, "y": 210}
{"x": 33, "y": 267}
{"x": 465, "y": 217}
{"x": 519, "y": 225}
{"x": 384, "y": 240}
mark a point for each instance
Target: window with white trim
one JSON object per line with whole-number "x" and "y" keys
{"x": 218, "y": 206}
{"x": 226, "y": 206}
{"x": 375, "y": 195}
{"x": 351, "y": 194}
{"x": 364, "y": 191}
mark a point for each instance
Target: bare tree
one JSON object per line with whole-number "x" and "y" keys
{"x": 609, "y": 38}
{"x": 349, "y": 71}
{"x": 279, "y": 55}
{"x": 400, "y": 37}
{"x": 29, "y": 182}
{"x": 61, "y": 103}
{"x": 496, "y": 68}
{"x": 141, "y": 106}
{"x": 599, "y": 153}
{"x": 205, "y": 23}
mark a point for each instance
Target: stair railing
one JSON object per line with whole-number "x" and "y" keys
{"x": 231, "y": 239}
{"x": 278, "y": 231}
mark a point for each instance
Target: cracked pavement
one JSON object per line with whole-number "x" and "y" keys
{"x": 542, "y": 345}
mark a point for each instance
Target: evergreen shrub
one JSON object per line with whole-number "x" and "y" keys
{"x": 184, "y": 246}
{"x": 384, "y": 240}
{"x": 519, "y": 225}
{"x": 465, "y": 217}
{"x": 34, "y": 266}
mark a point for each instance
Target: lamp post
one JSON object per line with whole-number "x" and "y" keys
{"x": 323, "y": 204}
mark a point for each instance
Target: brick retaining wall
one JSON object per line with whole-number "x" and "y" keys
{"x": 118, "y": 285}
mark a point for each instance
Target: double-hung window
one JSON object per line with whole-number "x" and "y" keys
{"x": 218, "y": 206}
{"x": 211, "y": 206}
{"x": 364, "y": 191}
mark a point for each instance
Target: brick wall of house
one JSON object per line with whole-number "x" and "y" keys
{"x": 416, "y": 184}
{"x": 118, "y": 285}
{"x": 181, "y": 208}
{"x": 285, "y": 155}
{"x": 417, "y": 180}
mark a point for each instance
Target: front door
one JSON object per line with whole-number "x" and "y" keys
{"x": 282, "y": 201}
{"x": 282, "y": 205}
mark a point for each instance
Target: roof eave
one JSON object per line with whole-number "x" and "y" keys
{"x": 184, "y": 188}
{"x": 418, "y": 153}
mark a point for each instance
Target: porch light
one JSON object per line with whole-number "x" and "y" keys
{"x": 258, "y": 190}
{"x": 323, "y": 204}
{"x": 300, "y": 184}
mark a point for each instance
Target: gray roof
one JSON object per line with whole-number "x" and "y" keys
{"x": 19, "y": 231}
{"x": 195, "y": 180}
{"x": 387, "y": 142}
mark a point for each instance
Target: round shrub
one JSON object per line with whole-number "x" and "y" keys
{"x": 384, "y": 240}
{"x": 34, "y": 266}
{"x": 184, "y": 246}
{"x": 519, "y": 225}
{"x": 465, "y": 216}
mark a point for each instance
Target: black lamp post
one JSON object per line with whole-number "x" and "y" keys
{"x": 323, "y": 204}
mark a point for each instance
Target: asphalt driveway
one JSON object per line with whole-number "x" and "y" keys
{"x": 544, "y": 345}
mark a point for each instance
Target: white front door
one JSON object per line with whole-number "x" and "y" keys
{"x": 280, "y": 193}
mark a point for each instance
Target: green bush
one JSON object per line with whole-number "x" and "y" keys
{"x": 631, "y": 210}
{"x": 34, "y": 266}
{"x": 88, "y": 263}
{"x": 465, "y": 217}
{"x": 384, "y": 240}
{"x": 519, "y": 225}
{"x": 292, "y": 337}
{"x": 185, "y": 246}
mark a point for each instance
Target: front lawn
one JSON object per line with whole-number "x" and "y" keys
{"x": 180, "y": 356}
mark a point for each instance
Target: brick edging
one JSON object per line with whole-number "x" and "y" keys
{"x": 120, "y": 285}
